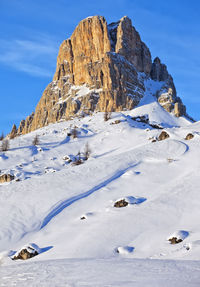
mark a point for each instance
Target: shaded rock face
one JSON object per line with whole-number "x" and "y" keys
{"x": 13, "y": 132}
{"x": 100, "y": 68}
{"x": 6, "y": 178}
{"x": 159, "y": 71}
{"x": 167, "y": 96}
{"x": 170, "y": 102}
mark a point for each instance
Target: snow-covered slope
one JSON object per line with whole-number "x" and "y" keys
{"x": 115, "y": 272}
{"x": 160, "y": 179}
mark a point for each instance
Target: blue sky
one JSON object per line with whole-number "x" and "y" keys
{"x": 32, "y": 30}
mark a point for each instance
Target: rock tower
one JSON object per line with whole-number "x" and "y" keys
{"x": 102, "y": 67}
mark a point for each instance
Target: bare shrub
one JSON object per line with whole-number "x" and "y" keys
{"x": 87, "y": 151}
{"x": 78, "y": 160}
{"x": 5, "y": 145}
{"x": 74, "y": 132}
{"x": 36, "y": 140}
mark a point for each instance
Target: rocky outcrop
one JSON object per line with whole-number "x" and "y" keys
{"x": 163, "y": 136}
{"x": 13, "y": 132}
{"x": 26, "y": 125}
{"x": 175, "y": 240}
{"x": 21, "y": 126}
{"x": 159, "y": 71}
{"x": 25, "y": 253}
{"x": 6, "y": 178}
{"x": 189, "y": 136}
{"x": 121, "y": 203}
{"x": 167, "y": 96}
{"x": 128, "y": 44}
{"x": 101, "y": 68}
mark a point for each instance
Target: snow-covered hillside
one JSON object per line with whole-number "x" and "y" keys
{"x": 68, "y": 210}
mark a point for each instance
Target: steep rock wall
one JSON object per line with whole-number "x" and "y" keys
{"x": 99, "y": 69}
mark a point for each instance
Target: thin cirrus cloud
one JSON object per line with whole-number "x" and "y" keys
{"x": 29, "y": 56}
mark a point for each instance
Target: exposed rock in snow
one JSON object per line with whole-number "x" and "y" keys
{"x": 175, "y": 240}
{"x": 68, "y": 158}
{"x": 143, "y": 119}
{"x": 163, "y": 135}
{"x": 121, "y": 203}
{"x": 26, "y": 252}
{"x": 178, "y": 237}
{"x": 189, "y": 136}
{"x": 129, "y": 200}
{"x": 116, "y": 122}
{"x": 86, "y": 215}
{"x": 6, "y": 178}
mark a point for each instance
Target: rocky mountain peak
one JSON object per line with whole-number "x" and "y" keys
{"x": 130, "y": 46}
{"x": 101, "y": 67}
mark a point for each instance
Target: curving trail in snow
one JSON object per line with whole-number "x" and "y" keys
{"x": 67, "y": 202}
{"x": 167, "y": 149}
{"x": 158, "y": 151}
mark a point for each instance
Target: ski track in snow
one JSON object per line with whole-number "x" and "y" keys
{"x": 139, "y": 154}
{"x": 65, "y": 203}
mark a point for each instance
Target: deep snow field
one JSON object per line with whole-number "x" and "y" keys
{"x": 44, "y": 207}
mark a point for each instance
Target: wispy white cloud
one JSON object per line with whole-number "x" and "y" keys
{"x": 35, "y": 57}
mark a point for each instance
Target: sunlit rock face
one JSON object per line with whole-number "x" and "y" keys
{"x": 101, "y": 68}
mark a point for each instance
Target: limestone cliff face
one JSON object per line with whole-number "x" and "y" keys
{"x": 101, "y": 67}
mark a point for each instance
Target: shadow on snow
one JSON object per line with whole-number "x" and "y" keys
{"x": 60, "y": 206}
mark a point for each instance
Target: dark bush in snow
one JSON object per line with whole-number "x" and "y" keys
{"x": 36, "y": 140}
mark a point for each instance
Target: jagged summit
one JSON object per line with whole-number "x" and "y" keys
{"x": 102, "y": 67}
